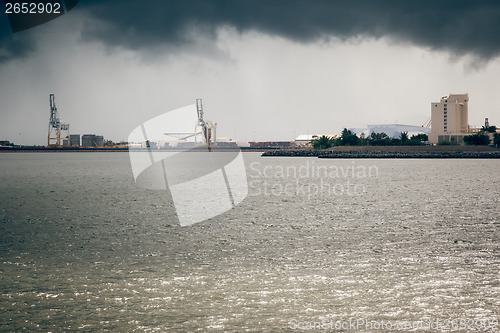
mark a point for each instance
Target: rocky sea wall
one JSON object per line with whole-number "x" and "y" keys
{"x": 382, "y": 154}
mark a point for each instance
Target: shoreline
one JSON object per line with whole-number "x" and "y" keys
{"x": 462, "y": 152}
{"x": 430, "y": 152}
{"x": 42, "y": 149}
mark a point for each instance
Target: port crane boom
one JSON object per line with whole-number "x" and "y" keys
{"x": 204, "y": 128}
{"x": 57, "y": 130}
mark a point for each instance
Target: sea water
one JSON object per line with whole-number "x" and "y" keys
{"x": 323, "y": 244}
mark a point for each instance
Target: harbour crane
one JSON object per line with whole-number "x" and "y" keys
{"x": 207, "y": 127}
{"x": 204, "y": 128}
{"x": 57, "y": 129}
{"x": 428, "y": 123}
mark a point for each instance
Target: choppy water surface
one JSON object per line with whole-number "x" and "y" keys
{"x": 82, "y": 247}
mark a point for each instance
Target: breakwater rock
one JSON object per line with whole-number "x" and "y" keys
{"x": 381, "y": 154}
{"x": 292, "y": 153}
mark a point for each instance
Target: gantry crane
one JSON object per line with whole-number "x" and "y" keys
{"x": 205, "y": 129}
{"x": 57, "y": 130}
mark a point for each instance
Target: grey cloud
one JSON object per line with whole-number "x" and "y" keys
{"x": 12, "y": 45}
{"x": 459, "y": 27}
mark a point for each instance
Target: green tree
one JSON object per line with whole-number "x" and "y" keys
{"x": 478, "y": 139}
{"x": 379, "y": 139}
{"x": 490, "y": 129}
{"x": 348, "y": 138}
{"x": 417, "y": 140}
{"x": 496, "y": 140}
{"x": 420, "y": 137}
{"x": 404, "y": 138}
{"x": 362, "y": 140}
{"x": 323, "y": 142}
{"x": 394, "y": 142}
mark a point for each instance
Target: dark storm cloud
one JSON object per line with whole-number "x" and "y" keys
{"x": 460, "y": 27}
{"x": 457, "y": 26}
{"x": 12, "y": 45}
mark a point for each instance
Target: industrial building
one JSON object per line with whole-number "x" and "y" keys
{"x": 5, "y": 143}
{"x": 92, "y": 140}
{"x": 226, "y": 142}
{"x": 304, "y": 140}
{"x": 392, "y": 130}
{"x": 270, "y": 144}
{"x": 74, "y": 140}
{"x": 449, "y": 118}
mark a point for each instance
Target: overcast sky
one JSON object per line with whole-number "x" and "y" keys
{"x": 266, "y": 70}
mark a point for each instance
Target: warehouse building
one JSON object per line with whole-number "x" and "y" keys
{"x": 92, "y": 140}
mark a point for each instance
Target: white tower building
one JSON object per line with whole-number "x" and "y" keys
{"x": 450, "y": 119}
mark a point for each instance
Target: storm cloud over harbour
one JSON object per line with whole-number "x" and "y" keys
{"x": 151, "y": 237}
